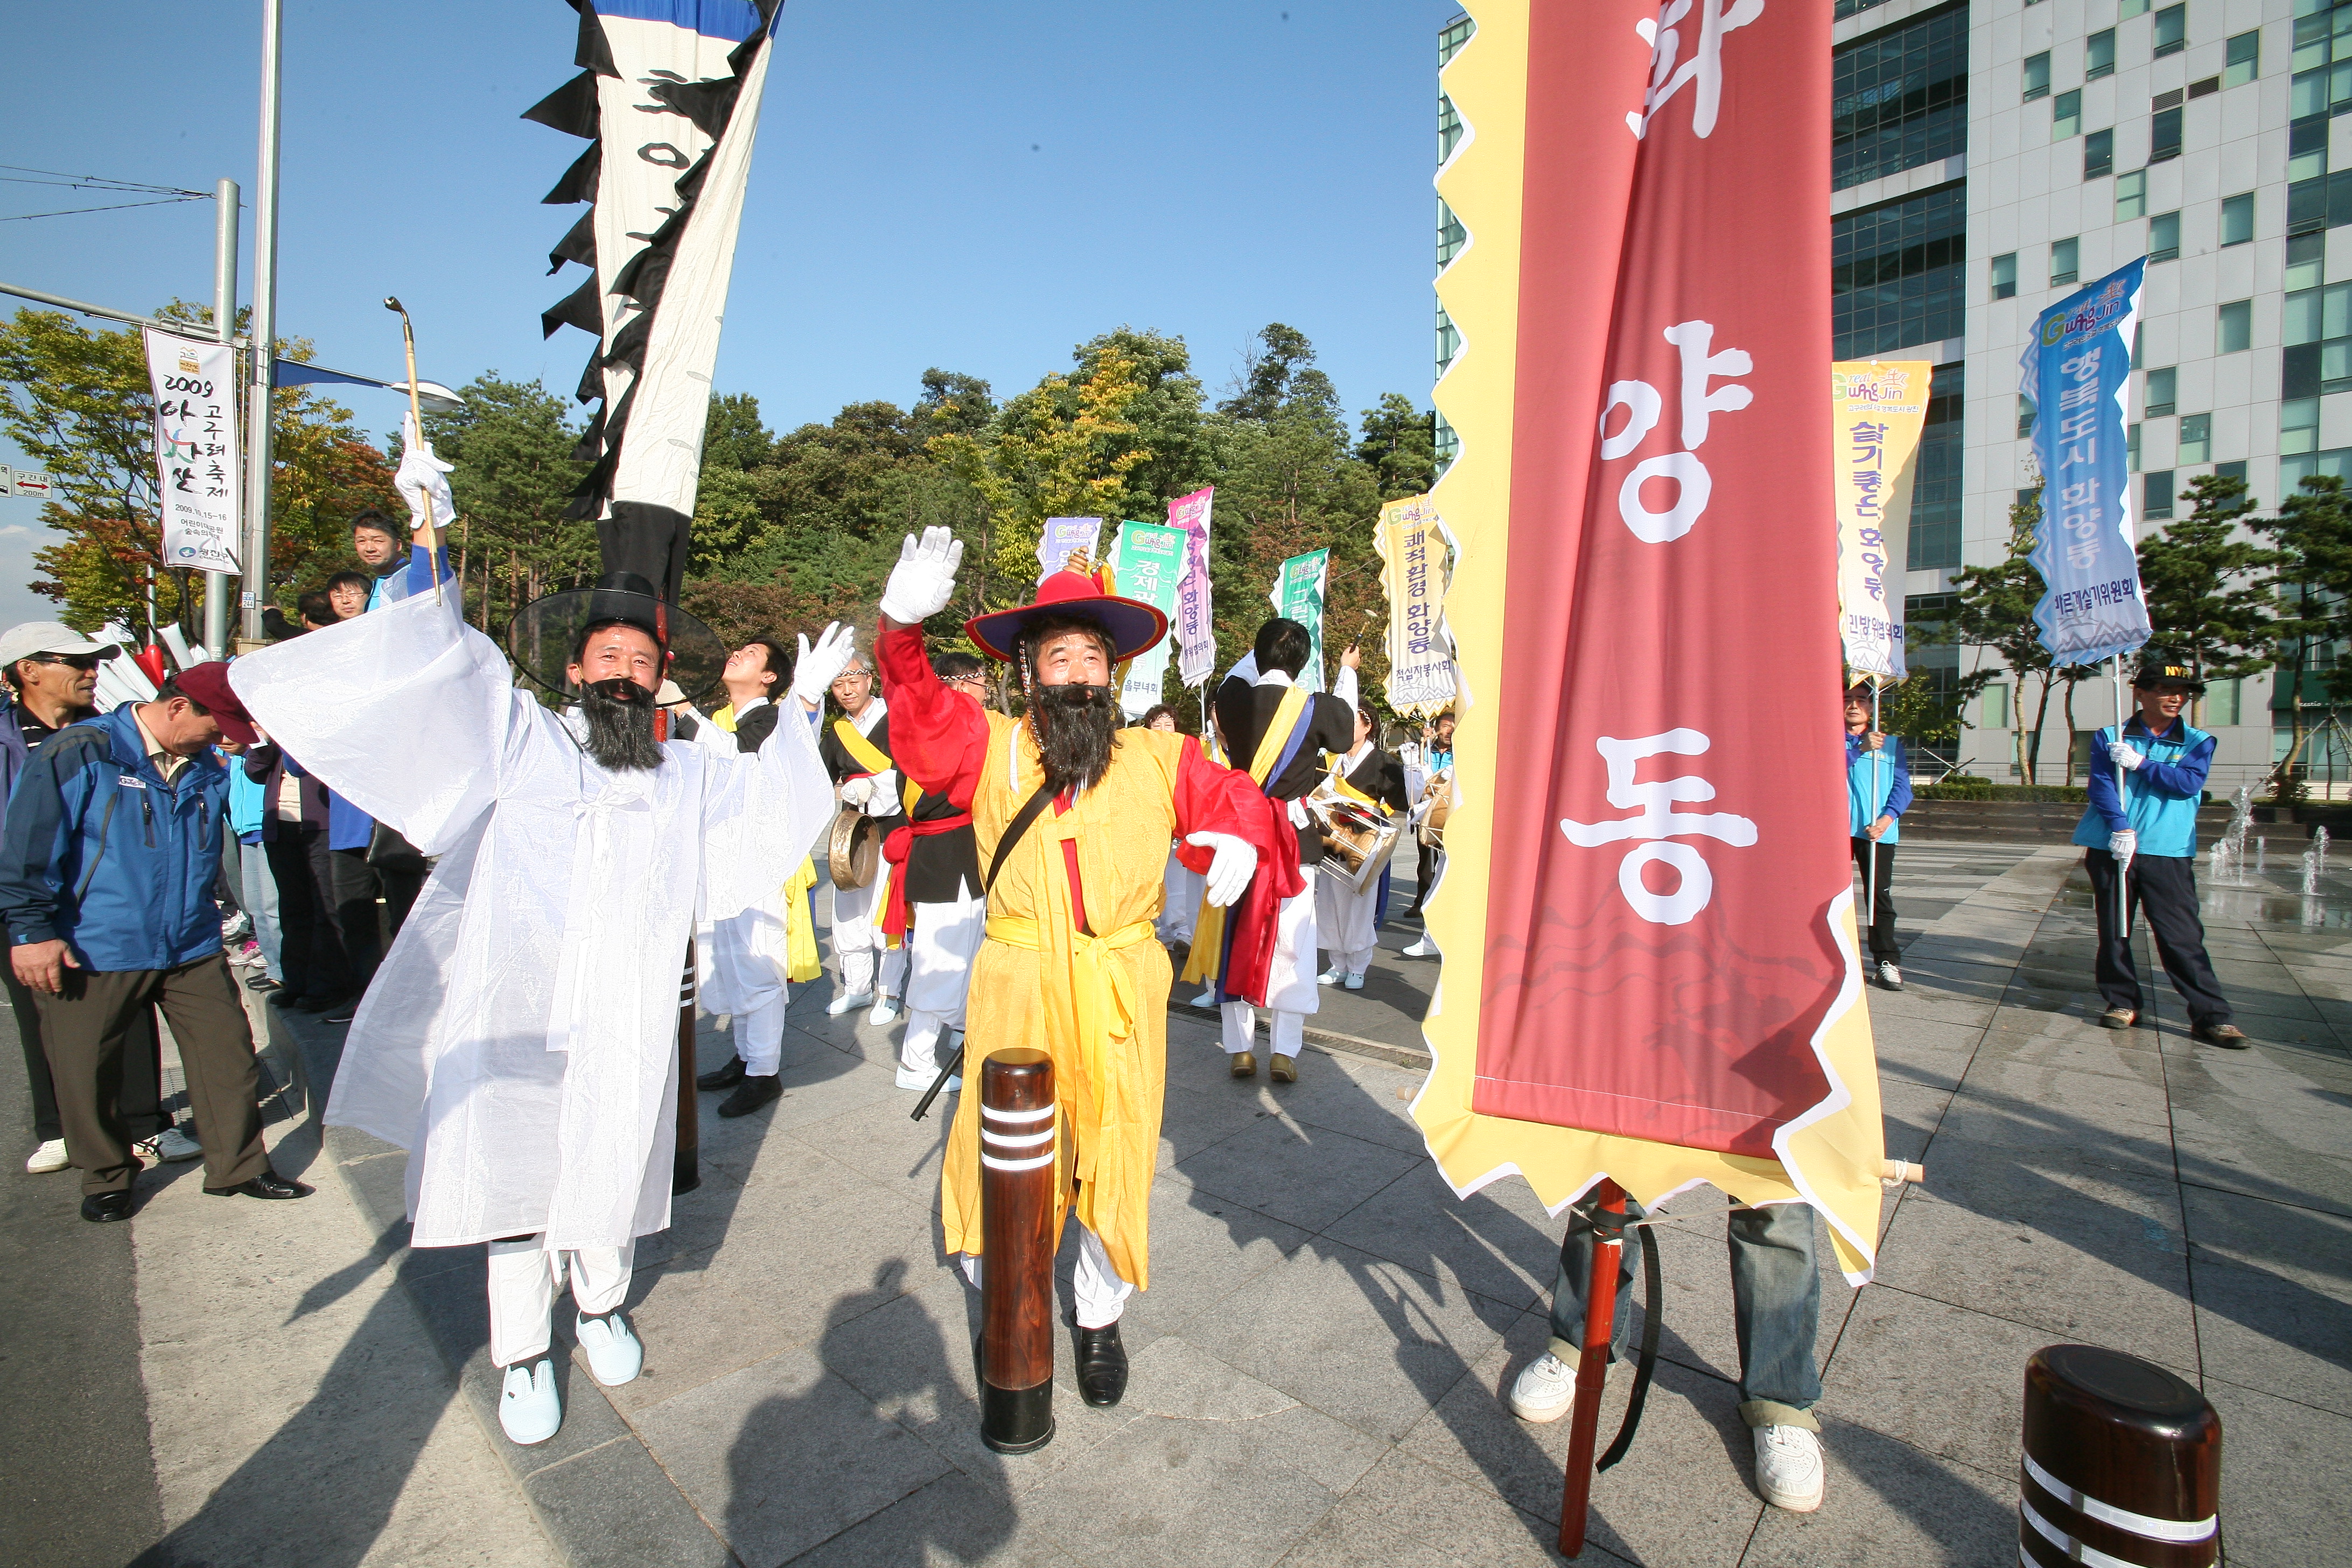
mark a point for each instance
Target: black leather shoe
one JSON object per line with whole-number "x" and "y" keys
{"x": 726, "y": 1077}
{"x": 105, "y": 1208}
{"x": 269, "y": 1184}
{"x": 752, "y": 1094}
{"x": 1102, "y": 1366}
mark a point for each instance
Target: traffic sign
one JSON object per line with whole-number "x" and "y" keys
{"x": 36, "y": 485}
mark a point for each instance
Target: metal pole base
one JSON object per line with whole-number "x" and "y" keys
{"x": 1016, "y": 1420}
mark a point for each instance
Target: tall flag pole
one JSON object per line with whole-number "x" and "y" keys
{"x": 2077, "y": 368}
{"x": 1651, "y": 976}
{"x": 671, "y": 107}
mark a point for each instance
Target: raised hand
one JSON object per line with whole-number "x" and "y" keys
{"x": 923, "y": 581}
{"x": 814, "y": 671}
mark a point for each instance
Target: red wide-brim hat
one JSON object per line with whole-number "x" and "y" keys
{"x": 1135, "y": 626}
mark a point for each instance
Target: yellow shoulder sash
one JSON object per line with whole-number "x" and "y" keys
{"x": 873, "y": 758}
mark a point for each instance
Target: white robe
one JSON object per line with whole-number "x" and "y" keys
{"x": 520, "y": 1039}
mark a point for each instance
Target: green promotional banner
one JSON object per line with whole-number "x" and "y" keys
{"x": 1297, "y": 596}
{"x": 1145, "y": 564}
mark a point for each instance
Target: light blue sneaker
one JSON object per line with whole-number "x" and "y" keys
{"x": 614, "y": 1354}
{"x": 529, "y": 1407}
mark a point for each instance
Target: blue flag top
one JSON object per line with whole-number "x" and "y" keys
{"x": 2077, "y": 368}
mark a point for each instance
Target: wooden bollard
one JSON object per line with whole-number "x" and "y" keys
{"x": 2123, "y": 1464}
{"x": 1018, "y": 1138}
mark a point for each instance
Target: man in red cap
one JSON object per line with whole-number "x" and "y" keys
{"x": 106, "y": 886}
{"x": 1072, "y": 817}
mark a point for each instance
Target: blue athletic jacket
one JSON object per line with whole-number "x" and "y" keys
{"x": 100, "y": 851}
{"x": 1877, "y": 782}
{"x": 2160, "y": 796}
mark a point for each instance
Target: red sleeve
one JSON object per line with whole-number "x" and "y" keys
{"x": 939, "y": 739}
{"x": 1211, "y": 798}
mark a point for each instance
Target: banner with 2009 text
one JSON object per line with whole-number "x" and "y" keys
{"x": 197, "y": 476}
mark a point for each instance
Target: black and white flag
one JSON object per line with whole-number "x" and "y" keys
{"x": 669, "y": 96}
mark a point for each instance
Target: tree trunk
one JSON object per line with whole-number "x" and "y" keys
{"x": 2070, "y": 733}
{"x": 2040, "y": 717}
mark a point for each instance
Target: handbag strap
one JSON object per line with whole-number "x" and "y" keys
{"x": 1014, "y": 831}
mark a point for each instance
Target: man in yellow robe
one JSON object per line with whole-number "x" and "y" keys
{"x": 1069, "y": 965}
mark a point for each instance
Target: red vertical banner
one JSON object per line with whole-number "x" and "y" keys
{"x": 1650, "y": 973}
{"x": 1661, "y": 947}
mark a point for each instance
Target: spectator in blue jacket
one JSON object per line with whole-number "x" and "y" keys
{"x": 2146, "y": 841}
{"x": 107, "y": 868}
{"x": 395, "y": 571}
{"x": 1877, "y": 794}
{"x": 257, "y": 884}
{"x": 316, "y": 842}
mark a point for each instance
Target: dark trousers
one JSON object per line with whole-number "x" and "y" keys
{"x": 400, "y": 890}
{"x": 1882, "y": 913}
{"x": 87, "y": 1031}
{"x": 326, "y": 912}
{"x": 2163, "y": 887}
{"x": 1425, "y": 872}
{"x": 142, "y": 1068}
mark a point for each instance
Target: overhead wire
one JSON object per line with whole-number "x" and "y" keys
{"x": 101, "y": 183}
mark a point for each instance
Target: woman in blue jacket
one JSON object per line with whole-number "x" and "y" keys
{"x": 1877, "y": 794}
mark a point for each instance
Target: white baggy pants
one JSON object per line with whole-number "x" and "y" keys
{"x": 943, "y": 941}
{"x": 743, "y": 977}
{"x": 1290, "y": 993}
{"x": 1344, "y": 920}
{"x": 1100, "y": 1294}
{"x": 858, "y": 940}
{"x": 524, "y": 1279}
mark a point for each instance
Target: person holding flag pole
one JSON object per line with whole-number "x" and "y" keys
{"x": 1878, "y": 792}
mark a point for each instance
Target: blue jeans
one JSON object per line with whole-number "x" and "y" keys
{"x": 258, "y": 891}
{"x": 1776, "y": 1305}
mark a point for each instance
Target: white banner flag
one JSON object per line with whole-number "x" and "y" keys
{"x": 195, "y": 449}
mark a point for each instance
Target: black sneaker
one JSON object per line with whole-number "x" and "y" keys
{"x": 752, "y": 1093}
{"x": 726, "y": 1077}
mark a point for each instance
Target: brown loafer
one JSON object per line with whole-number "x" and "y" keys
{"x": 1282, "y": 1069}
{"x": 2229, "y": 1036}
{"x": 1244, "y": 1064}
{"x": 2118, "y": 1018}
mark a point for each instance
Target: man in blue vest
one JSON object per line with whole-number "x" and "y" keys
{"x": 1877, "y": 793}
{"x": 2146, "y": 840}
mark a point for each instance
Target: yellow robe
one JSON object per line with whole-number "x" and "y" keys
{"x": 1110, "y": 1105}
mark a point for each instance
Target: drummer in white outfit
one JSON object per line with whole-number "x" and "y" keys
{"x": 871, "y": 969}
{"x": 1346, "y": 919}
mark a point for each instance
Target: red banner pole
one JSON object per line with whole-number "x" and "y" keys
{"x": 1592, "y": 1369}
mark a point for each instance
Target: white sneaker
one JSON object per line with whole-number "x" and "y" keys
{"x": 1421, "y": 949}
{"x": 1889, "y": 975}
{"x": 1354, "y": 983}
{"x": 885, "y": 1010}
{"x": 614, "y": 1353}
{"x": 1545, "y": 1390}
{"x": 1789, "y": 1467}
{"x": 529, "y": 1407}
{"x": 849, "y": 1003}
{"x": 1328, "y": 977}
{"x": 172, "y": 1145}
{"x": 49, "y": 1156}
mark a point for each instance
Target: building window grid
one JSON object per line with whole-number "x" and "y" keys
{"x": 2034, "y": 79}
{"x": 2164, "y": 136}
{"x": 2131, "y": 195}
{"x": 2159, "y": 392}
{"x": 1934, "y": 542}
{"x": 2238, "y": 219}
{"x": 2005, "y": 277}
{"x": 2316, "y": 328}
{"x": 2099, "y": 55}
{"x": 2243, "y": 62}
{"x": 2171, "y": 34}
{"x": 2298, "y": 426}
{"x": 2163, "y": 238}
{"x": 2066, "y": 260}
{"x": 2233, "y": 327}
{"x": 1898, "y": 273}
{"x": 1899, "y": 100}
{"x": 2156, "y": 495}
{"x": 2066, "y": 115}
{"x": 2098, "y": 154}
{"x": 2195, "y": 441}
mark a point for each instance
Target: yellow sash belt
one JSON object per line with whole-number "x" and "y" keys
{"x": 1103, "y": 1003}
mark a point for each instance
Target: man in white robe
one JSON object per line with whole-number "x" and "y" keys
{"x": 521, "y": 1039}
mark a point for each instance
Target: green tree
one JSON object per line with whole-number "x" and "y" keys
{"x": 2209, "y": 590}
{"x": 1994, "y": 610}
{"x": 2312, "y": 536}
{"x": 1262, "y": 385}
{"x": 1399, "y": 442}
{"x": 512, "y": 447}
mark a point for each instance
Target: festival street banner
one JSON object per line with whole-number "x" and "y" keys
{"x": 1062, "y": 537}
{"x": 1647, "y": 913}
{"x": 1195, "y": 632}
{"x": 1413, "y": 546}
{"x": 668, "y": 98}
{"x": 1147, "y": 561}
{"x": 2077, "y": 368}
{"x": 1877, "y": 408}
{"x": 1298, "y": 585}
{"x": 196, "y": 473}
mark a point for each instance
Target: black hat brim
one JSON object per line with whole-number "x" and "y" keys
{"x": 541, "y": 637}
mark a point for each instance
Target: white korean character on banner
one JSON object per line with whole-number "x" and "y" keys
{"x": 1693, "y": 485}
{"x": 1703, "y": 72}
{"x": 1654, "y": 822}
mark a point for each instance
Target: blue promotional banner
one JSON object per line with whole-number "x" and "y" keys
{"x": 2077, "y": 368}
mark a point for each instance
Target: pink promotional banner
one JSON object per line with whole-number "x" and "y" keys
{"x": 1662, "y": 939}
{"x": 1196, "y": 634}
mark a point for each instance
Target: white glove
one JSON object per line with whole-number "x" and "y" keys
{"x": 2126, "y": 753}
{"x": 422, "y": 478}
{"x": 814, "y": 671}
{"x": 2123, "y": 846}
{"x": 1229, "y": 874}
{"x": 924, "y": 580}
{"x": 856, "y": 790}
{"x": 882, "y": 793}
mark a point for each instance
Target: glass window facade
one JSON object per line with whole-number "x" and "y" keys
{"x": 2033, "y": 80}
{"x": 2163, "y": 238}
{"x": 2238, "y": 219}
{"x": 2164, "y": 136}
{"x": 2337, "y": 463}
{"x": 2171, "y": 30}
{"x": 2065, "y": 258}
{"x": 1935, "y": 537}
{"x": 2159, "y": 394}
{"x": 2098, "y": 154}
{"x": 2317, "y": 331}
{"x": 2066, "y": 115}
{"x": 2196, "y": 439}
{"x": 2156, "y": 495}
{"x": 1899, "y": 100}
{"x": 2005, "y": 277}
{"x": 2099, "y": 55}
{"x": 2245, "y": 59}
{"x": 1898, "y": 273}
{"x": 2233, "y": 327}
{"x": 2131, "y": 195}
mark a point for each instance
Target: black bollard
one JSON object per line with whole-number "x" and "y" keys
{"x": 2123, "y": 1464}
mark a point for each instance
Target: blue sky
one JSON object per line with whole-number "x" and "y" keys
{"x": 976, "y": 187}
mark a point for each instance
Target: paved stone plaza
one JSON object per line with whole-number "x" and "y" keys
{"x": 1316, "y": 1366}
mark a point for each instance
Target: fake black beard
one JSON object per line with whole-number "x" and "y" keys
{"x": 620, "y": 731}
{"x": 1077, "y": 726}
